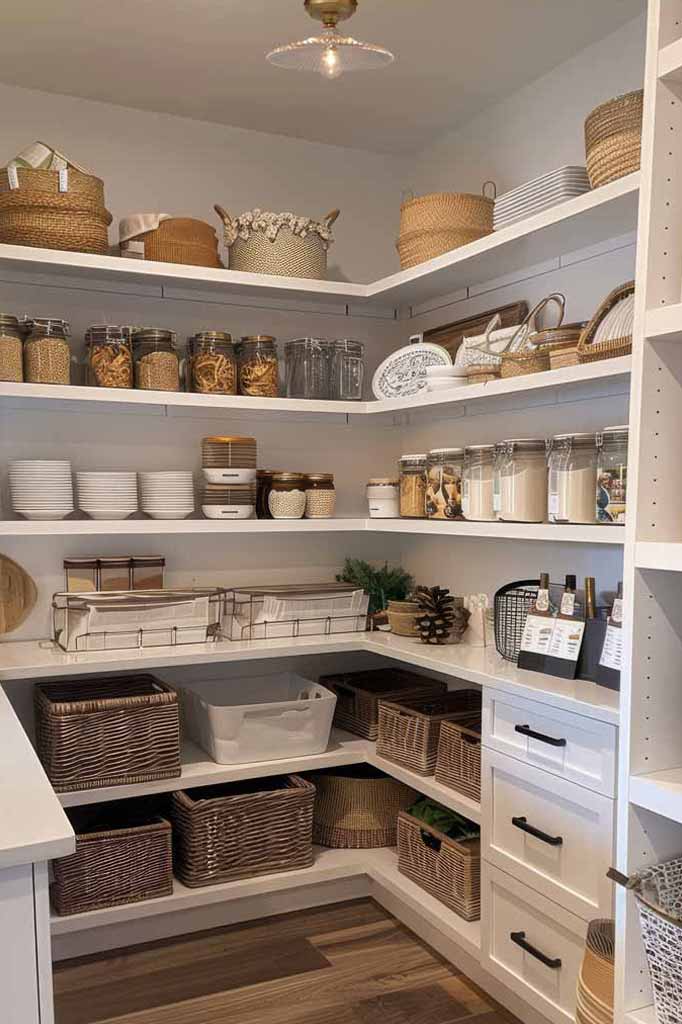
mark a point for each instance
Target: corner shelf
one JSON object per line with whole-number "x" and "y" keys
{"x": 660, "y": 792}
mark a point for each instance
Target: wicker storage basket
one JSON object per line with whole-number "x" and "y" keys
{"x": 123, "y": 855}
{"x": 182, "y": 240}
{"x": 38, "y": 214}
{"x": 107, "y": 731}
{"x": 242, "y": 829}
{"x": 517, "y": 364}
{"x": 458, "y": 762}
{"x": 446, "y": 868}
{"x": 357, "y": 807}
{"x": 613, "y": 138}
{"x": 594, "y": 1001}
{"x": 409, "y": 729}
{"x": 287, "y": 251}
{"x": 561, "y": 343}
{"x": 433, "y": 224}
{"x": 358, "y": 695}
{"x": 609, "y": 332}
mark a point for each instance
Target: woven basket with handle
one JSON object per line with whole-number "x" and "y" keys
{"x": 446, "y": 868}
{"x": 38, "y": 214}
{"x": 609, "y": 332}
{"x": 433, "y": 224}
{"x": 357, "y": 807}
{"x": 286, "y": 255}
{"x": 613, "y": 138}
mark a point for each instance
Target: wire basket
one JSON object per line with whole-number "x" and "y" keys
{"x": 512, "y": 604}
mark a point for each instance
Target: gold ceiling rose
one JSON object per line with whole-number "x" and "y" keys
{"x": 330, "y": 53}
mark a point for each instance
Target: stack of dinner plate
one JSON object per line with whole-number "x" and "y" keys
{"x": 107, "y": 495}
{"x": 229, "y": 460}
{"x": 539, "y": 194}
{"x": 41, "y": 488}
{"x": 167, "y": 495}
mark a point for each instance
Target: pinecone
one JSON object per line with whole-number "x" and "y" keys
{"x": 437, "y": 618}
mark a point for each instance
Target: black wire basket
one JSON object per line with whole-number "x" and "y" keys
{"x": 512, "y": 604}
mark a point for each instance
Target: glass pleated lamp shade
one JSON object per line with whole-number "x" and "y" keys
{"x": 330, "y": 54}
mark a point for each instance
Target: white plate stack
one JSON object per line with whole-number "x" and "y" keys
{"x": 539, "y": 194}
{"x": 445, "y": 378}
{"x": 107, "y": 495}
{"x": 41, "y": 488}
{"x": 167, "y": 495}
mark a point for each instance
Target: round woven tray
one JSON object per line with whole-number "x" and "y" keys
{"x": 613, "y": 138}
{"x": 357, "y": 807}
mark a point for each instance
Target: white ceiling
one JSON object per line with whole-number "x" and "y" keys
{"x": 205, "y": 59}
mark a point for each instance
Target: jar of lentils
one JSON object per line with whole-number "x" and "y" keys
{"x": 413, "y": 486}
{"x": 258, "y": 366}
{"x": 287, "y": 499}
{"x": 320, "y": 496}
{"x": 444, "y": 483}
{"x": 47, "y": 355}
{"x": 157, "y": 363}
{"x": 109, "y": 354}
{"x": 11, "y": 349}
{"x": 212, "y": 363}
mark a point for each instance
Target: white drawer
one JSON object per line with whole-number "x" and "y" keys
{"x": 568, "y": 860}
{"x": 514, "y": 914}
{"x": 576, "y": 748}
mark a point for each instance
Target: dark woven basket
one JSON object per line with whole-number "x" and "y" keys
{"x": 358, "y": 695}
{"x": 446, "y": 868}
{"x": 107, "y": 731}
{"x": 357, "y": 807}
{"x": 241, "y": 829}
{"x": 512, "y": 604}
{"x": 123, "y": 855}
{"x": 409, "y": 729}
{"x": 458, "y": 764}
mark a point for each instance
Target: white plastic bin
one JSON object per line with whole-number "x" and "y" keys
{"x": 260, "y": 718}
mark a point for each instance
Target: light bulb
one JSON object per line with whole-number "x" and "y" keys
{"x": 331, "y": 65}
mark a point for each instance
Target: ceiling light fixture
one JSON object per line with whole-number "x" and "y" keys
{"x": 330, "y": 53}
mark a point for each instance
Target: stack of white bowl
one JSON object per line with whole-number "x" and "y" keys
{"x": 41, "y": 488}
{"x": 444, "y": 378}
{"x": 107, "y": 495}
{"x": 167, "y": 495}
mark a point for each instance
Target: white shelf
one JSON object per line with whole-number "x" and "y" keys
{"x": 665, "y": 556}
{"x": 645, "y": 1015}
{"x": 670, "y": 62}
{"x": 555, "y": 534}
{"x": 660, "y": 792}
{"x": 427, "y": 785}
{"x": 664, "y": 323}
{"x": 587, "y": 220}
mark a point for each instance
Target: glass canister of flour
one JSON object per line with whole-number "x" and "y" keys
{"x": 572, "y": 481}
{"x": 383, "y": 497}
{"x": 523, "y": 481}
{"x": 413, "y": 486}
{"x": 477, "y": 483}
{"x": 612, "y": 475}
{"x": 444, "y": 483}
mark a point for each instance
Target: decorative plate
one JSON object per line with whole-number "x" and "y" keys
{"x": 403, "y": 373}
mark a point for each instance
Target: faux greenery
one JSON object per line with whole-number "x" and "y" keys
{"x": 446, "y": 821}
{"x": 383, "y": 585}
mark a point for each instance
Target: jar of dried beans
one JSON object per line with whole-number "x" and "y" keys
{"x": 212, "y": 363}
{"x": 157, "y": 363}
{"x": 109, "y": 356}
{"x": 47, "y": 355}
{"x": 258, "y": 366}
{"x": 11, "y": 349}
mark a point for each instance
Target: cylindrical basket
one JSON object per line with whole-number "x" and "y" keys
{"x": 123, "y": 855}
{"x": 517, "y": 364}
{"x": 242, "y": 829}
{"x": 107, "y": 731}
{"x": 512, "y": 604}
{"x": 594, "y": 997}
{"x": 358, "y": 695}
{"x": 286, "y": 250}
{"x": 433, "y": 224}
{"x": 458, "y": 763}
{"x": 658, "y": 891}
{"x": 613, "y": 138}
{"x": 38, "y": 214}
{"x": 446, "y": 868}
{"x": 409, "y": 728}
{"x": 182, "y": 240}
{"x": 357, "y": 807}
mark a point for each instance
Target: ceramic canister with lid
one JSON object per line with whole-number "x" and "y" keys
{"x": 320, "y": 496}
{"x": 612, "y": 475}
{"x": 286, "y": 499}
{"x": 413, "y": 486}
{"x": 444, "y": 483}
{"x": 572, "y": 482}
{"x": 523, "y": 480}
{"x": 477, "y": 483}
{"x": 383, "y": 497}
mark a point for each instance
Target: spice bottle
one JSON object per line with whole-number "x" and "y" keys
{"x": 109, "y": 356}
{"x": 212, "y": 363}
{"x": 258, "y": 367}
{"x": 413, "y": 486}
{"x": 320, "y": 496}
{"x": 444, "y": 483}
{"x": 157, "y": 363}
{"x": 47, "y": 356}
{"x": 11, "y": 349}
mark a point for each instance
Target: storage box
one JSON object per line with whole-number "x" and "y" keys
{"x": 270, "y": 717}
{"x": 446, "y": 868}
{"x": 358, "y": 695}
{"x": 458, "y": 762}
{"x": 409, "y": 729}
{"x": 291, "y": 611}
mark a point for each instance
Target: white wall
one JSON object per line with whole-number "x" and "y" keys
{"x": 179, "y": 166}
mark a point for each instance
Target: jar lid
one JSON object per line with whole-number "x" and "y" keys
{"x": 48, "y": 324}
{"x": 7, "y": 320}
{"x": 142, "y": 561}
{"x": 313, "y": 343}
{"x": 616, "y": 430}
{"x": 289, "y": 476}
{"x": 229, "y": 440}
{"x": 413, "y": 458}
{"x": 576, "y": 440}
{"x": 480, "y": 448}
{"x": 200, "y": 336}
{"x": 356, "y": 348}
{"x": 320, "y": 477}
{"x": 526, "y": 444}
{"x": 107, "y": 332}
{"x": 251, "y": 339}
{"x": 383, "y": 481}
{"x": 445, "y": 452}
{"x": 153, "y": 334}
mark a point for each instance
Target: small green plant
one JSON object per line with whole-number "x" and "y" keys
{"x": 383, "y": 585}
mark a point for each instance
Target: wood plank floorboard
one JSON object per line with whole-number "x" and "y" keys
{"x": 351, "y": 963}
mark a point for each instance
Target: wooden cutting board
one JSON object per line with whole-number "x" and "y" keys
{"x": 18, "y": 594}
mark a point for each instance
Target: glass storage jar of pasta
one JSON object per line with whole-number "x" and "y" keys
{"x": 444, "y": 483}
{"x": 477, "y": 483}
{"x": 523, "y": 480}
{"x": 11, "y": 349}
{"x": 47, "y": 354}
{"x": 212, "y": 363}
{"x": 572, "y": 481}
{"x": 413, "y": 486}
{"x": 612, "y": 475}
{"x": 258, "y": 367}
{"x": 157, "y": 363}
{"x": 109, "y": 356}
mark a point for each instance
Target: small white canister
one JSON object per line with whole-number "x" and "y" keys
{"x": 383, "y": 498}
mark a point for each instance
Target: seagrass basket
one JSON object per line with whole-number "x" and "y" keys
{"x": 594, "y": 997}
{"x": 38, "y": 214}
{"x": 561, "y": 343}
{"x": 517, "y": 364}
{"x": 446, "y": 868}
{"x": 458, "y": 761}
{"x": 357, "y": 807}
{"x": 613, "y": 138}
{"x": 358, "y": 695}
{"x": 123, "y": 855}
{"x": 433, "y": 224}
{"x": 409, "y": 728}
{"x": 182, "y": 240}
{"x": 242, "y": 829}
{"x": 280, "y": 244}
{"x": 609, "y": 332}
{"x": 107, "y": 731}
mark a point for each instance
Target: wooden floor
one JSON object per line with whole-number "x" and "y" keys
{"x": 351, "y": 963}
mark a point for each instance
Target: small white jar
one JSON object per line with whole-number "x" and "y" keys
{"x": 383, "y": 498}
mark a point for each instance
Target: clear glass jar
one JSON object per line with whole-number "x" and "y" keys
{"x": 444, "y": 483}
{"x": 523, "y": 481}
{"x": 258, "y": 366}
{"x": 157, "y": 363}
{"x": 308, "y": 365}
{"x": 109, "y": 356}
{"x": 47, "y": 355}
{"x": 572, "y": 481}
{"x": 612, "y": 475}
{"x": 413, "y": 486}
{"x": 477, "y": 483}
{"x": 286, "y": 499}
{"x": 263, "y": 487}
{"x": 347, "y": 370}
{"x": 11, "y": 349}
{"x": 320, "y": 496}
{"x": 212, "y": 363}
{"x": 499, "y": 459}
{"x": 383, "y": 497}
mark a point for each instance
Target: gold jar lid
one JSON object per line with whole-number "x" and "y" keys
{"x": 383, "y": 481}
{"x": 252, "y": 339}
{"x": 319, "y": 477}
{"x": 229, "y": 440}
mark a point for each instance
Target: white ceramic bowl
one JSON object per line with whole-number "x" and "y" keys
{"x": 229, "y": 476}
{"x": 110, "y": 513}
{"x": 228, "y": 511}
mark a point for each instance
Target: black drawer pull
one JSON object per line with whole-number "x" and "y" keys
{"x": 526, "y": 730}
{"x": 520, "y": 939}
{"x": 429, "y": 840}
{"x": 522, "y": 823}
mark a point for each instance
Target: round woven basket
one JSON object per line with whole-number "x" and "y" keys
{"x": 433, "y": 224}
{"x": 613, "y": 138}
{"x": 182, "y": 240}
{"x": 596, "y": 978}
{"x": 38, "y": 214}
{"x": 286, "y": 255}
{"x": 516, "y": 364}
{"x": 357, "y": 807}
